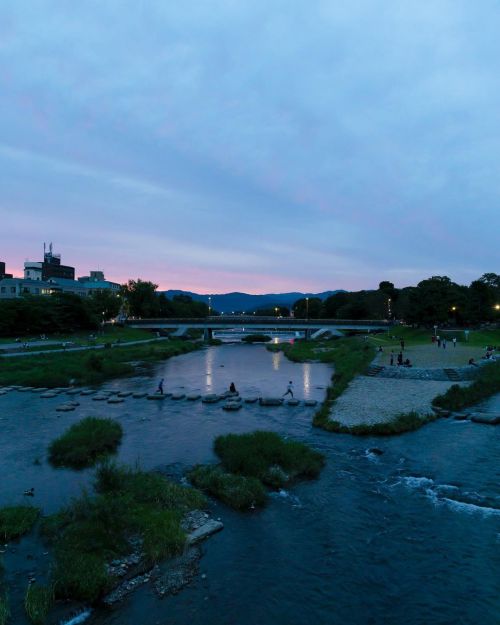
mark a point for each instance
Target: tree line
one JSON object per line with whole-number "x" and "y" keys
{"x": 434, "y": 300}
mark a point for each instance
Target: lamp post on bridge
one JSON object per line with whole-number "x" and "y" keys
{"x": 307, "y": 308}
{"x": 209, "y": 305}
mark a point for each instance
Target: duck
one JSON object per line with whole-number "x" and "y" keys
{"x": 30, "y": 492}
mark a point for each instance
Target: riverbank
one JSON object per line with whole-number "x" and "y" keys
{"x": 86, "y": 367}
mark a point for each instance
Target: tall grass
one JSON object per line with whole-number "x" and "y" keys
{"x": 237, "y": 491}
{"x": 486, "y": 384}
{"x": 16, "y": 521}
{"x": 4, "y": 609}
{"x": 37, "y": 603}
{"x": 96, "y": 529}
{"x": 85, "y": 442}
{"x": 267, "y": 457}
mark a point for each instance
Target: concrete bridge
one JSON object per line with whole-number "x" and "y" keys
{"x": 253, "y": 324}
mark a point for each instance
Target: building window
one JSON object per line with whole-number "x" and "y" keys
{"x": 26, "y": 289}
{"x": 3, "y": 289}
{"x": 12, "y": 289}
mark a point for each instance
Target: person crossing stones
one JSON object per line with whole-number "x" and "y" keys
{"x": 289, "y": 389}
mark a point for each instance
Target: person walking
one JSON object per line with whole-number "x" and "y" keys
{"x": 400, "y": 359}
{"x": 444, "y": 343}
{"x": 392, "y": 358}
{"x": 289, "y": 389}
{"x": 454, "y": 341}
{"x": 160, "y": 387}
{"x": 438, "y": 341}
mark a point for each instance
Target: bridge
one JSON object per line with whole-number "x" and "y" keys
{"x": 255, "y": 324}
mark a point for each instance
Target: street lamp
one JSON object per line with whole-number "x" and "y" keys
{"x": 276, "y": 309}
{"x": 307, "y": 308}
{"x": 497, "y": 307}
{"x": 209, "y": 305}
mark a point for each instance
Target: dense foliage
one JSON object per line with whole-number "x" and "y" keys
{"x": 486, "y": 384}
{"x": 142, "y": 300}
{"x": 16, "y": 521}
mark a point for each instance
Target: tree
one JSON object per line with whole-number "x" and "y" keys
{"x": 105, "y": 304}
{"x": 141, "y": 298}
{"x": 308, "y": 308}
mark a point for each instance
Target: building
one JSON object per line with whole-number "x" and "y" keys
{"x": 2, "y": 272}
{"x": 19, "y": 287}
{"x": 49, "y": 268}
{"x": 97, "y": 283}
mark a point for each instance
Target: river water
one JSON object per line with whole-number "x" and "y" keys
{"x": 409, "y": 537}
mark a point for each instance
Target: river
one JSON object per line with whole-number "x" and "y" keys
{"x": 409, "y": 537}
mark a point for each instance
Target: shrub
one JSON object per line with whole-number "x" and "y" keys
{"x": 237, "y": 491}
{"x": 16, "y": 521}
{"x": 37, "y": 603}
{"x": 458, "y": 397}
{"x": 79, "y": 575}
{"x": 256, "y": 338}
{"x": 85, "y": 442}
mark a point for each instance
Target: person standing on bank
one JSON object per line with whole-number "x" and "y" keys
{"x": 392, "y": 357}
{"x": 160, "y": 387}
{"x": 289, "y": 389}
{"x": 454, "y": 341}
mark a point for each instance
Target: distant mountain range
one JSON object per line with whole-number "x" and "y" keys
{"x": 227, "y": 302}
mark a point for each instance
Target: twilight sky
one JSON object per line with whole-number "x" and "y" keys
{"x": 252, "y": 145}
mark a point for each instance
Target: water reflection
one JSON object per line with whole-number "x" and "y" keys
{"x": 276, "y": 361}
{"x": 306, "y": 378}
{"x": 209, "y": 365}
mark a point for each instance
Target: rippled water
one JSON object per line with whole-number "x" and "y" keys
{"x": 408, "y": 537}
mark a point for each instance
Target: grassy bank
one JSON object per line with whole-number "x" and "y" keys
{"x": 422, "y": 336}
{"x": 86, "y": 367}
{"x": 85, "y": 442}
{"x": 251, "y": 461}
{"x": 94, "y": 530}
{"x": 111, "y": 334}
{"x": 16, "y": 521}
{"x": 406, "y": 422}
{"x": 486, "y": 384}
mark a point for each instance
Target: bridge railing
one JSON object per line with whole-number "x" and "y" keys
{"x": 255, "y": 320}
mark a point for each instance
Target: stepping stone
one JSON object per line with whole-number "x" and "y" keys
{"x": 270, "y": 401}
{"x": 25, "y": 389}
{"x": 3, "y": 392}
{"x": 74, "y": 391}
{"x": 460, "y": 416}
{"x": 293, "y": 402}
{"x": 115, "y": 400}
{"x": 39, "y": 390}
{"x": 65, "y": 408}
{"x": 88, "y": 392}
{"x": 73, "y": 403}
{"x": 124, "y": 393}
{"x": 250, "y": 400}
{"x": 100, "y": 398}
{"x": 157, "y": 396}
{"x": 139, "y": 395}
{"x": 210, "y": 399}
{"x": 48, "y": 395}
{"x": 232, "y": 405}
{"x": 178, "y": 396}
{"x": 310, "y": 402}
{"x": 193, "y": 397}
{"x": 484, "y": 417}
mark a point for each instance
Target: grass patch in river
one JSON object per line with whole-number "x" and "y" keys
{"x": 249, "y": 462}
{"x": 4, "y": 609}
{"x": 94, "y": 530}
{"x": 85, "y": 442}
{"x": 37, "y": 602}
{"x": 16, "y": 521}
{"x": 486, "y": 384}
{"x": 237, "y": 491}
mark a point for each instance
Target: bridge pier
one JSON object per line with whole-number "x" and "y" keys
{"x": 307, "y": 334}
{"x": 208, "y": 334}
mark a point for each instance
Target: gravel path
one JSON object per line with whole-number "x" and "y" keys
{"x": 370, "y": 400}
{"x": 379, "y": 400}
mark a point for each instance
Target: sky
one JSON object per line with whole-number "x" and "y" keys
{"x": 252, "y": 145}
